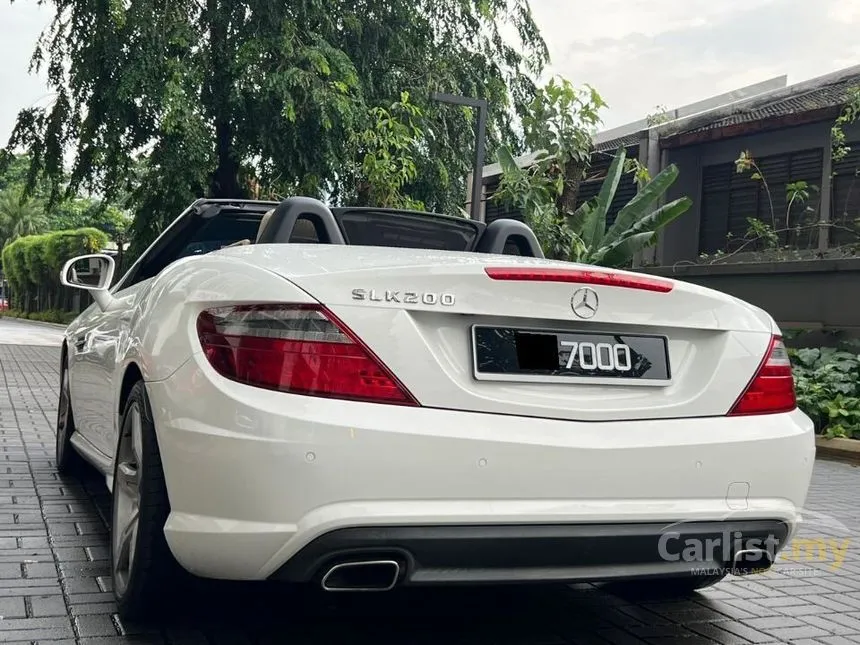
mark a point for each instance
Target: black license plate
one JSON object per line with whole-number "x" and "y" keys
{"x": 514, "y": 354}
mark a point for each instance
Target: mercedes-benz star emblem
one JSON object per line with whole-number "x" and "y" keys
{"x": 584, "y": 302}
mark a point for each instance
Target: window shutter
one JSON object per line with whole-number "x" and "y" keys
{"x": 716, "y": 197}
{"x": 626, "y": 190}
{"x": 730, "y": 199}
{"x": 845, "y": 203}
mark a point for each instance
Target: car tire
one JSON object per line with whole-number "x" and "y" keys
{"x": 144, "y": 570}
{"x": 68, "y": 461}
{"x": 674, "y": 587}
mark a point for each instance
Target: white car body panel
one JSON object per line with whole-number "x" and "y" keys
{"x": 320, "y": 465}
{"x": 150, "y": 326}
{"x": 713, "y": 337}
{"x": 255, "y": 475}
{"x": 332, "y": 272}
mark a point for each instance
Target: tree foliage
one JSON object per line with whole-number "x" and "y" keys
{"x": 19, "y": 215}
{"x": 23, "y": 213}
{"x": 583, "y": 235}
{"x": 171, "y": 101}
{"x": 560, "y": 127}
{"x": 636, "y": 224}
{"x": 83, "y": 212}
{"x": 386, "y": 151}
{"x": 560, "y": 123}
{"x": 14, "y": 172}
{"x": 32, "y": 266}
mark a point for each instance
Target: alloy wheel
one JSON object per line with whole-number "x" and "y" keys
{"x": 63, "y": 412}
{"x": 127, "y": 498}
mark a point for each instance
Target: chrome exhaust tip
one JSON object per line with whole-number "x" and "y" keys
{"x": 750, "y": 561}
{"x": 362, "y": 575}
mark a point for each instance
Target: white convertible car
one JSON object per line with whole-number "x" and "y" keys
{"x": 363, "y": 398}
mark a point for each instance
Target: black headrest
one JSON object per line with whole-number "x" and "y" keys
{"x": 503, "y": 233}
{"x": 277, "y": 227}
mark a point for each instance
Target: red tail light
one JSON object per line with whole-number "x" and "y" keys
{"x": 772, "y": 388}
{"x": 302, "y": 349}
{"x": 579, "y": 276}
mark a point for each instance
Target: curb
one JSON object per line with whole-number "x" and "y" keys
{"x": 36, "y": 322}
{"x": 838, "y": 449}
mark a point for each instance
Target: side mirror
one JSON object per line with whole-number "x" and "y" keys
{"x": 92, "y": 273}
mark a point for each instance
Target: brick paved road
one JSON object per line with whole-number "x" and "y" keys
{"x": 55, "y": 584}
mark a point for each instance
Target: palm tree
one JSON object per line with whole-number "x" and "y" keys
{"x": 19, "y": 216}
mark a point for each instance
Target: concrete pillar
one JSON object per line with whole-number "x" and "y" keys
{"x": 483, "y": 211}
{"x": 658, "y": 249}
{"x": 468, "y": 206}
{"x": 482, "y": 214}
{"x": 654, "y": 163}
{"x": 641, "y": 257}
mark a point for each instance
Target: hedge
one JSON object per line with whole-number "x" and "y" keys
{"x": 49, "y": 316}
{"x": 32, "y": 266}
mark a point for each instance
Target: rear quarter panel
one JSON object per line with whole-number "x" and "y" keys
{"x": 163, "y": 325}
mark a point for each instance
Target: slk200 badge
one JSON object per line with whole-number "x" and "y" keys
{"x": 405, "y": 297}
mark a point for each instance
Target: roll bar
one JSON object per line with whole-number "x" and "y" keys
{"x": 502, "y": 232}
{"x": 278, "y": 228}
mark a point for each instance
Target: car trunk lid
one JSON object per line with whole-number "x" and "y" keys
{"x": 440, "y": 320}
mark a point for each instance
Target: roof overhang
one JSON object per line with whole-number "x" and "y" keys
{"x": 750, "y": 127}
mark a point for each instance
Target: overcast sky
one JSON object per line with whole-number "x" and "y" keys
{"x": 637, "y": 53}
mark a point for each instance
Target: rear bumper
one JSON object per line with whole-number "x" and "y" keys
{"x": 434, "y": 555}
{"x": 255, "y": 477}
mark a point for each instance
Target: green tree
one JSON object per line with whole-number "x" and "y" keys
{"x": 84, "y": 212}
{"x": 560, "y": 129}
{"x": 583, "y": 235}
{"x": 72, "y": 212}
{"x": 560, "y": 123}
{"x": 386, "y": 152}
{"x": 20, "y": 215}
{"x": 636, "y": 224}
{"x": 14, "y": 170}
{"x": 171, "y": 101}
{"x": 32, "y": 265}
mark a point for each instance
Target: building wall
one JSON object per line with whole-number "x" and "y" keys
{"x": 852, "y": 132}
{"x": 845, "y": 197}
{"x": 680, "y": 241}
{"x": 809, "y": 295}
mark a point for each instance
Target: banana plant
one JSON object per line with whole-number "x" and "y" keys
{"x": 582, "y": 236}
{"x": 636, "y": 225}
